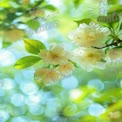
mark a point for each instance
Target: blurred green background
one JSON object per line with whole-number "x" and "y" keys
{"x": 81, "y": 97}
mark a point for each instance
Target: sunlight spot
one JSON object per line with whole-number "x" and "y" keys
{"x": 29, "y": 88}
{"x": 18, "y": 100}
{"x": 56, "y": 3}
{"x": 21, "y": 26}
{"x": 2, "y": 92}
{"x": 36, "y": 109}
{"x": 69, "y": 82}
{"x": 34, "y": 99}
{"x": 42, "y": 34}
{"x": 4, "y": 116}
{"x": 96, "y": 109}
{"x": 96, "y": 83}
{"x": 75, "y": 94}
{"x": 6, "y": 58}
{"x": 8, "y": 83}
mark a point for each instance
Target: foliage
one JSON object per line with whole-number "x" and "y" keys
{"x": 14, "y": 14}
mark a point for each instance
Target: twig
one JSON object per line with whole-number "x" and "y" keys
{"x": 108, "y": 45}
{"x": 35, "y": 6}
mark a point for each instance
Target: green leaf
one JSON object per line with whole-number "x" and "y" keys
{"x": 33, "y": 24}
{"x": 5, "y": 44}
{"x": 114, "y": 17}
{"x": 50, "y": 7}
{"x": 33, "y": 46}
{"x": 116, "y": 8}
{"x": 78, "y": 2}
{"x": 120, "y": 28}
{"x": 111, "y": 2}
{"x": 102, "y": 60}
{"x": 70, "y": 110}
{"x": 118, "y": 47}
{"x": 87, "y": 21}
{"x": 115, "y": 25}
{"x": 26, "y": 61}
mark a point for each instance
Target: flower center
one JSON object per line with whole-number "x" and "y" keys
{"x": 90, "y": 55}
{"x": 90, "y": 38}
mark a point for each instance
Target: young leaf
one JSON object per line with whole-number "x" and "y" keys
{"x": 78, "y": 2}
{"x": 111, "y": 2}
{"x": 120, "y": 28}
{"x": 26, "y": 61}
{"x": 116, "y": 8}
{"x": 33, "y": 46}
{"x": 102, "y": 60}
{"x": 114, "y": 17}
{"x": 33, "y": 24}
{"x": 87, "y": 21}
{"x": 115, "y": 25}
{"x": 105, "y": 24}
{"x": 50, "y": 7}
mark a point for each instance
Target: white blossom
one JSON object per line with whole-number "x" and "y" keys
{"x": 114, "y": 55}
{"x": 47, "y": 76}
{"x": 88, "y": 58}
{"x": 56, "y": 55}
{"x": 89, "y": 35}
{"x": 66, "y": 69}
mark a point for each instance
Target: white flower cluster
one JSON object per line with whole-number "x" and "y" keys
{"x": 59, "y": 62}
{"x": 57, "y": 65}
{"x": 87, "y": 37}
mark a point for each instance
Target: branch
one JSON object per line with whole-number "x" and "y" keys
{"x": 35, "y": 6}
{"x": 108, "y": 45}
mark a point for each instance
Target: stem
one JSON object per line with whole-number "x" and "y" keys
{"x": 108, "y": 45}
{"x": 35, "y": 6}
